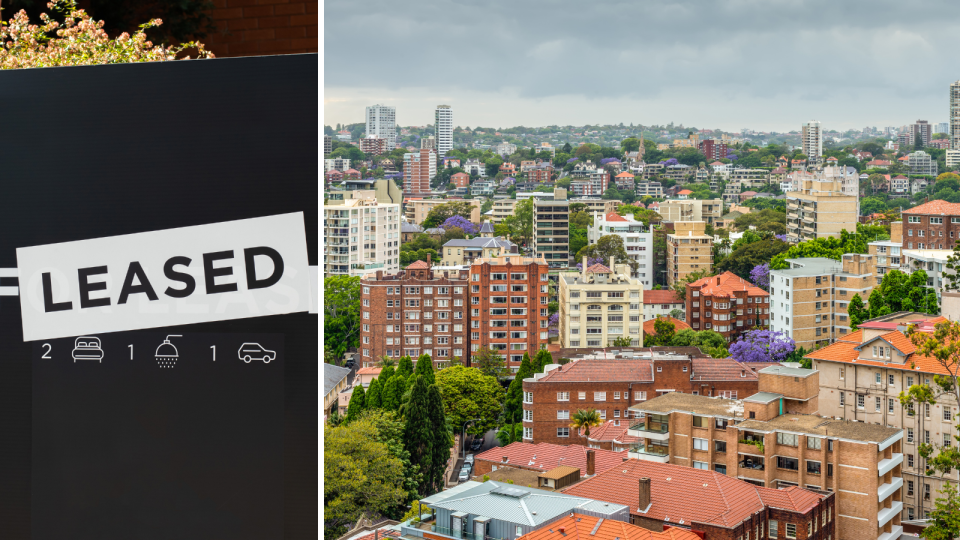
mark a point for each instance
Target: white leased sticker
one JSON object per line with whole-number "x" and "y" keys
{"x": 222, "y": 271}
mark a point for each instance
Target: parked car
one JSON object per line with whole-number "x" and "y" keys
{"x": 469, "y": 459}
{"x": 477, "y": 443}
{"x": 464, "y": 475}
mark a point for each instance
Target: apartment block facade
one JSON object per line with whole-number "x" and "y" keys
{"x": 597, "y": 205}
{"x": 373, "y": 145}
{"x": 415, "y": 311}
{"x": 689, "y": 249}
{"x": 599, "y": 305}
{"x": 708, "y": 210}
{"x": 443, "y": 129}
{"x": 382, "y": 123}
{"x": 811, "y": 141}
{"x": 419, "y": 168}
{"x": 955, "y": 115}
{"x": 551, "y": 233}
{"x": 713, "y": 149}
{"x": 775, "y": 439}
{"x": 637, "y": 241}
{"x": 921, "y": 163}
{"x": 727, "y": 304}
{"x": 360, "y": 235}
{"x": 820, "y": 209}
{"x": 611, "y": 385}
{"x": 809, "y": 300}
{"x": 416, "y": 210}
{"x": 932, "y": 225}
{"x": 861, "y": 378}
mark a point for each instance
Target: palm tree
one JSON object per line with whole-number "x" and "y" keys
{"x": 586, "y": 419}
{"x": 387, "y": 361}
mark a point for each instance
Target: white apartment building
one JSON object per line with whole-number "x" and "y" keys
{"x": 382, "y": 122}
{"x": 887, "y": 254}
{"x": 361, "y": 235}
{"x": 812, "y": 141}
{"x": 474, "y": 166}
{"x": 920, "y": 162}
{"x": 955, "y": 115}
{"x": 443, "y": 129}
{"x": 637, "y": 240}
{"x": 847, "y": 177}
{"x": 932, "y": 261}
{"x": 599, "y": 305}
{"x": 505, "y": 149}
{"x": 953, "y": 159}
{"x": 336, "y": 164}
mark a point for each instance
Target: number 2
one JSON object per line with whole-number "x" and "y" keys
{"x": 131, "y": 351}
{"x": 214, "y": 347}
{"x": 46, "y": 355}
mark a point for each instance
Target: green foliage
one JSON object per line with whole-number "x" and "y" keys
{"x": 765, "y": 203}
{"x": 679, "y": 286}
{"x": 664, "y": 329}
{"x": 360, "y": 475}
{"x": 705, "y": 339}
{"x": 521, "y": 222}
{"x": 373, "y": 399}
{"x": 442, "y": 441}
{"x": 514, "y": 399}
{"x": 357, "y": 403}
{"x": 469, "y": 394}
{"x": 490, "y": 362}
{"x": 542, "y": 360}
{"x": 417, "y": 430}
{"x": 341, "y": 309}
{"x": 510, "y": 433}
{"x": 585, "y": 419}
{"x": 622, "y": 341}
{"x": 944, "y": 520}
{"x": 608, "y": 246}
{"x": 831, "y": 248}
{"x": 386, "y": 372}
{"x": 404, "y": 368}
{"x": 424, "y": 368}
{"x": 640, "y": 214}
{"x": 857, "y": 312}
{"x": 391, "y": 397}
{"x": 744, "y": 258}
{"x": 768, "y": 219}
{"x": 631, "y": 144}
{"x": 440, "y": 213}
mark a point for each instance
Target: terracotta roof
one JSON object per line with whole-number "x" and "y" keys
{"x": 725, "y": 285}
{"x": 899, "y": 341}
{"x": 688, "y": 494}
{"x": 721, "y": 369}
{"x": 613, "y": 216}
{"x": 684, "y": 192}
{"x": 608, "y": 432}
{"x": 649, "y": 327}
{"x": 935, "y": 207}
{"x": 832, "y": 159}
{"x": 598, "y": 269}
{"x": 546, "y": 456}
{"x": 846, "y": 352}
{"x": 381, "y": 534}
{"x": 663, "y": 296}
{"x": 419, "y": 265}
{"x": 584, "y": 527}
{"x": 602, "y": 369}
{"x": 624, "y": 174}
{"x": 369, "y": 371}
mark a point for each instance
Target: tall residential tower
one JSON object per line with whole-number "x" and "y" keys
{"x": 812, "y": 142}
{"x": 382, "y": 122}
{"x": 443, "y": 129}
{"x": 955, "y": 115}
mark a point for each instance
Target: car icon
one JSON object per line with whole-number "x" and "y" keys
{"x": 87, "y": 348}
{"x": 255, "y": 351}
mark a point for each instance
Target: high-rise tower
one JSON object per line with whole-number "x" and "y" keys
{"x": 443, "y": 129}
{"x": 382, "y": 122}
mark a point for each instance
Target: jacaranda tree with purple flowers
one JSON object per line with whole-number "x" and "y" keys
{"x": 760, "y": 276}
{"x": 573, "y": 160}
{"x": 780, "y": 237}
{"x": 762, "y": 346}
{"x": 590, "y": 262}
{"x": 460, "y": 222}
{"x": 605, "y": 161}
{"x": 669, "y": 162}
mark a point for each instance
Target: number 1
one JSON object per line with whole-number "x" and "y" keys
{"x": 131, "y": 351}
{"x": 214, "y": 347}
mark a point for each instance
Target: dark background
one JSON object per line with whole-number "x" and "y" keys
{"x": 105, "y": 150}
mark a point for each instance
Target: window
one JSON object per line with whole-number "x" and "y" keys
{"x": 700, "y": 444}
{"x": 527, "y": 415}
{"x": 910, "y": 435}
{"x": 910, "y": 488}
{"x": 814, "y": 443}
{"x": 890, "y": 380}
{"x": 787, "y": 463}
{"x": 527, "y": 433}
{"x": 581, "y": 395}
{"x": 926, "y": 492}
{"x": 877, "y": 376}
{"x": 599, "y": 396}
{"x": 720, "y": 446}
{"x": 701, "y": 421}
{"x": 926, "y": 436}
{"x": 830, "y": 469}
{"x": 700, "y": 465}
{"x": 909, "y": 460}
{"x": 791, "y": 530}
{"x": 722, "y": 469}
{"x": 876, "y": 404}
{"x": 841, "y": 373}
{"x": 787, "y": 439}
{"x": 890, "y": 404}
{"x": 813, "y": 467}
{"x": 842, "y": 394}
{"x": 639, "y": 396}
{"x": 563, "y": 432}
{"x": 946, "y": 440}
{"x": 563, "y": 415}
{"x": 946, "y": 413}
{"x": 860, "y": 400}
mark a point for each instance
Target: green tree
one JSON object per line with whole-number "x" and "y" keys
{"x": 441, "y": 212}
{"x": 542, "y": 360}
{"x": 606, "y": 247}
{"x": 743, "y": 259}
{"x": 360, "y": 476}
{"x": 404, "y": 368}
{"x": 418, "y": 436}
{"x": 357, "y": 403}
{"x": 664, "y": 330}
{"x": 392, "y": 394}
{"x": 373, "y": 399}
{"x": 341, "y": 310}
{"x": 514, "y": 399}
{"x": 831, "y": 248}
{"x": 521, "y": 222}
{"x": 469, "y": 394}
{"x": 705, "y": 339}
{"x": 857, "y": 312}
{"x": 510, "y": 433}
{"x": 442, "y": 441}
{"x": 875, "y": 303}
{"x": 424, "y": 368}
{"x": 944, "y": 520}
{"x": 622, "y": 341}
{"x": 631, "y": 144}
{"x": 386, "y": 372}
{"x": 585, "y": 419}
{"x": 680, "y": 286}
{"x": 490, "y": 362}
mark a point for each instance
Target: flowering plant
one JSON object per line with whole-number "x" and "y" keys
{"x": 780, "y": 237}
{"x": 571, "y": 160}
{"x": 79, "y": 41}
{"x": 590, "y": 262}
{"x": 460, "y": 222}
{"x": 669, "y": 162}
{"x": 604, "y": 161}
{"x": 760, "y": 275}
{"x": 762, "y": 346}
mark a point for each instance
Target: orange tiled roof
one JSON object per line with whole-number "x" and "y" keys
{"x": 684, "y": 192}
{"x": 624, "y": 174}
{"x": 899, "y": 341}
{"x": 369, "y": 371}
{"x": 935, "y": 207}
{"x": 608, "y": 431}
{"x": 546, "y": 456}
{"x": 846, "y": 352}
{"x": 584, "y": 527}
{"x": 649, "y": 326}
{"x": 613, "y": 216}
{"x": 598, "y": 269}
{"x": 603, "y": 369}
{"x": 419, "y": 265}
{"x": 663, "y": 296}
{"x": 725, "y": 284}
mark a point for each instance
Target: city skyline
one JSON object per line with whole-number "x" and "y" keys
{"x": 763, "y": 67}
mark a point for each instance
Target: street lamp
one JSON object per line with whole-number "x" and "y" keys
{"x": 463, "y": 439}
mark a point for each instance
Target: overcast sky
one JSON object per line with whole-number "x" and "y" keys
{"x": 731, "y": 64}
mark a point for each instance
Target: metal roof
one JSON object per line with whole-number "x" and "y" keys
{"x": 787, "y": 370}
{"x": 763, "y": 397}
{"x": 446, "y": 494}
{"x": 332, "y": 375}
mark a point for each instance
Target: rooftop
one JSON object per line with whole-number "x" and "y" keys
{"x": 663, "y": 296}
{"x": 584, "y": 527}
{"x": 689, "y": 403}
{"x": 546, "y": 456}
{"x": 480, "y": 243}
{"x": 763, "y": 397}
{"x": 938, "y": 207}
{"x": 332, "y": 375}
{"x": 811, "y": 266}
{"x": 725, "y": 285}
{"x": 649, "y": 327}
{"x": 779, "y": 369}
{"x": 826, "y": 427}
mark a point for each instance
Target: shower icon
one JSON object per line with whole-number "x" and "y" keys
{"x": 166, "y": 353}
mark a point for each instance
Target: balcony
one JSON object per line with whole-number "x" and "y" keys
{"x": 650, "y": 452}
{"x": 751, "y": 463}
{"x": 648, "y": 429}
{"x": 885, "y": 515}
{"x": 887, "y": 465}
{"x": 894, "y": 533}
{"x": 889, "y": 489}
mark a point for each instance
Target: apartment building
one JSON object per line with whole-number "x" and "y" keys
{"x": 508, "y": 306}
{"x": 847, "y": 177}
{"x": 593, "y": 184}
{"x": 933, "y": 262}
{"x": 336, "y": 164}
{"x": 678, "y": 172}
{"x": 443, "y": 129}
{"x": 551, "y": 233}
{"x": 811, "y": 141}
{"x": 652, "y": 169}
{"x": 637, "y": 241}
{"x": 750, "y": 178}
{"x": 932, "y": 225}
{"x": 887, "y": 254}
{"x": 502, "y": 208}
{"x": 713, "y": 148}
{"x": 540, "y": 174}
{"x": 921, "y": 163}
{"x": 475, "y": 166}
{"x": 419, "y": 168}
{"x": 689, "y": 249}
{"x": 373, "y": 145}
{"x": 467, "y": 250}
{"x": 820, "y": 209}
{"x": 598, "y": 305}
{"x": 809, "y": 300}
{"x": 668, "y": 497}
{"x": 861, "y": 378}
{"x": 360, "y": 235}
{"x": 382, "y": 123}
{"x": 661, "y": 303}
{"x": 597, "y": 205}
{"x": 652, "y": 188}
{"x": 775, "y": 439}
{"x": 543, "y": 457}
{"x": 727, "y": 304}
{"x": 418, "y": 310}
{"x": 327, "y": 145}
{"x": 922, "y": 132}
{"x": 707, "y": 210}
{"x": 417, "y": 210}
{"x": 612, "y": 384}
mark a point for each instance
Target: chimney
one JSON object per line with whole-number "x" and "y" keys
{"x": 505, "y": 459}
{"x": 613, "y": 264}
{"x": 644, "y": 500}
{"x": 718, "y": 280}
{"x": 591, "y": 462}
{"x": 583, "y": 272}
{"x": 428, "y": 260}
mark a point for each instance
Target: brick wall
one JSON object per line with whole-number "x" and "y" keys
{"x": 790, "y": 387}
{"x": 263, "y": 27}
{"x": 934, "y": 234}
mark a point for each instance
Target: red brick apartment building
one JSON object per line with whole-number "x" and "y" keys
{"x": 251, "y": 28}
{"x": 460, "y": 179}
{"x": 498, "y": 303}
{"x": 932, "y": 225}
{"x": 612, "y": 384}
{"x": 415, "y": 311}
{"x": 713, "y": 149}
{"x": 727, "y": 304}
{"x": 710, "y": 504}
{"x": 544, "y": 457}
{"x": 541, "y": 175}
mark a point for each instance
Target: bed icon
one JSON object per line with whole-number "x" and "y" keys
{"x": 87, "y": 348}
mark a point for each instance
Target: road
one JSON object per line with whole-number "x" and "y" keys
{"x": 489, "y": 441}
